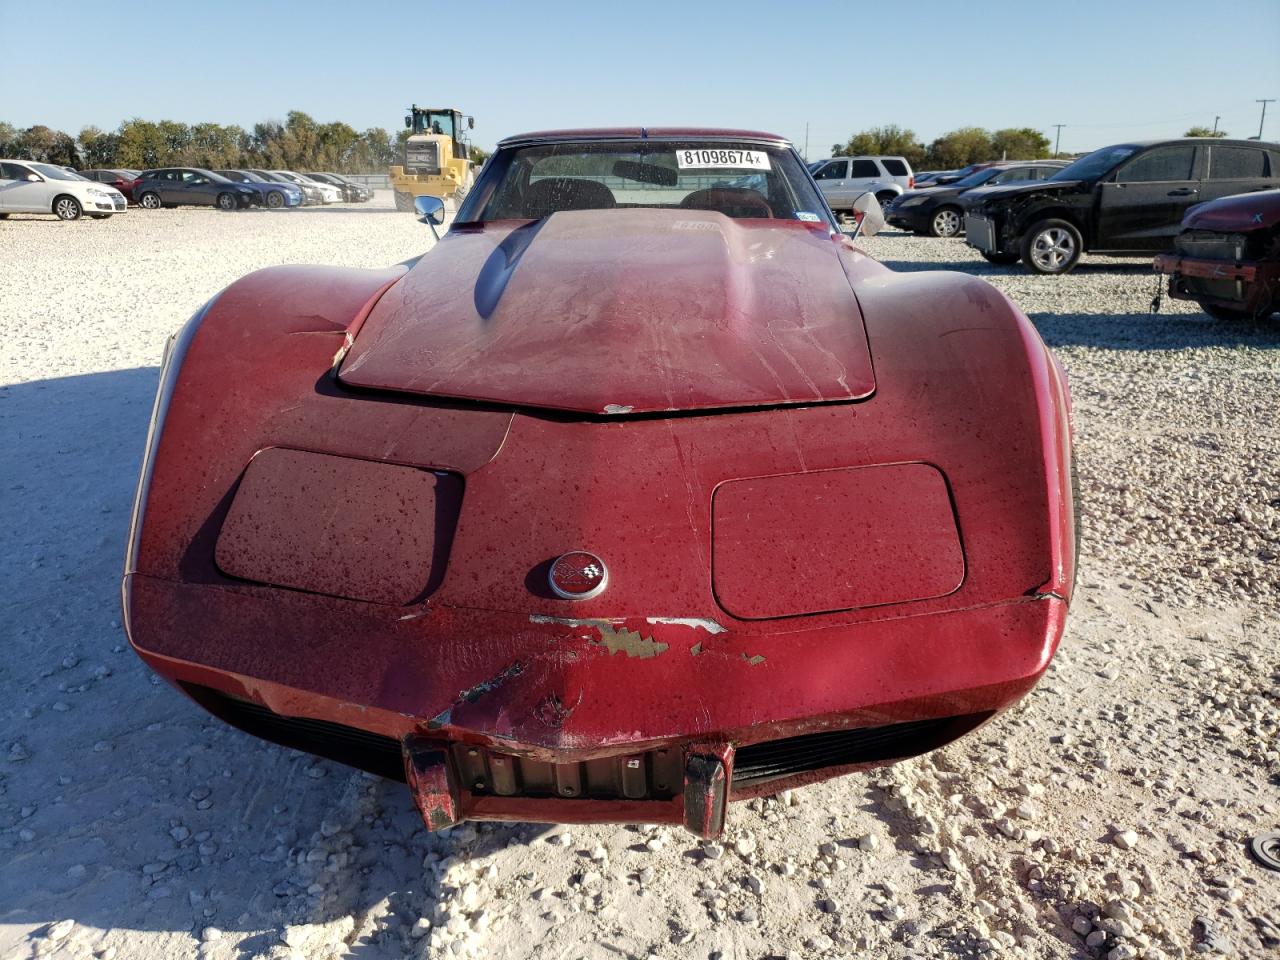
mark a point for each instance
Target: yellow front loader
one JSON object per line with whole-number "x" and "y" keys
{"x": 435, "y": 158}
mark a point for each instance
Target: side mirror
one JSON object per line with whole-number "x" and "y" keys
{"x": 408, "y": 122}
{"x": 430, "y": 211}
{"x": 471, "y": 123}
{"x": 33, "y": 177}
{"x": 869, "y": 218}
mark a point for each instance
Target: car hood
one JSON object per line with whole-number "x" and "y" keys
{"x": 1242, "y": 212}
{"x": 1000, "y": 192}
{"x": 932, "y": 193}
{"x": 621, "y": 311}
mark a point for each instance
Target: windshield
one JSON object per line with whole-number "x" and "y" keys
{"x": 1095, "y": 164}
{"x": 433, "y": 121}
{"x": 54, "y": 173}
{"x": 976, "y": 179}
{"x": 740, "y": 180}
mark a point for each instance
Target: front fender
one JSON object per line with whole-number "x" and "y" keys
{"x": 304, "y": 315}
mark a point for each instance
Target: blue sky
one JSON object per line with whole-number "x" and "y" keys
{"x": 1109, "y": 70}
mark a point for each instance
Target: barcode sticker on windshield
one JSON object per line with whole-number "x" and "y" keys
{"x": 717, "y": 159}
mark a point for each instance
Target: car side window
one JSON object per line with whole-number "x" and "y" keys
{"x": 832, "y": 171}
{"x": 1159, "y": 165}
{"x": 16, "y": 171}
{"x": 865, "y": 168}
{"x": 1012, "y": 176}
{"x": 1236, "y": 163}
{"x": 896, "y": 168}
{"x": 193, "y": 178}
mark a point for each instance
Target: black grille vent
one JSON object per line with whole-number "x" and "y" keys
{"x": 1230, "y": 247}
{"x": 836, "y": 748}
{"x": 422, "y": 158}
{"x": 754, "y": 764}
{"x": 333, "y": 741}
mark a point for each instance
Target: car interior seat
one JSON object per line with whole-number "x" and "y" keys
{"x": 737, "y": 202}
{"x": 545, "y": 197}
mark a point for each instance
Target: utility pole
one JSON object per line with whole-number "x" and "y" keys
{"x": 1264, "y": 114}
{"x": 1057, "y": 137}
{"x": 1215, "y": 125}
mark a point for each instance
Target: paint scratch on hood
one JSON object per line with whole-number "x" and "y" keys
{"x": 567, "y": 622}
{"x": 708, "y": 625}
{"x": 630, "y": 642}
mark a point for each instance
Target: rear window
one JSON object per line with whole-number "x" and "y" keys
{"x": 864, "y": 168}
{"x": 896, "y": 168}
{"x": 1160, "y": 165}
{"x": 1236, "y": 163}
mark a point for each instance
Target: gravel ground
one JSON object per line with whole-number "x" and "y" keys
{"x": 1106, "y": 816}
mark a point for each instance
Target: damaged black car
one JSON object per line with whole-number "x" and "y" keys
{"x": 1126, "y": 199}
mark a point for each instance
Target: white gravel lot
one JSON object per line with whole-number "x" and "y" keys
{"x": 1107, "y": 816}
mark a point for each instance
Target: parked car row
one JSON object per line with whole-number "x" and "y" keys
{"x": 229, "y": 189}
{"x": 1122, "y": 200}
{"x": 939, "y": 210}
{"x": 28, "y": 187}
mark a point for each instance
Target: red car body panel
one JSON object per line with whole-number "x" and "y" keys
{"x": 593, "y": 294}
{"x": 1243, "y": 212}
{"x": 124, "y": 184}
{"x": 484, "y": 671}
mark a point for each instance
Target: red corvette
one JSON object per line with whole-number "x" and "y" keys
{"x": 642, "y": 492}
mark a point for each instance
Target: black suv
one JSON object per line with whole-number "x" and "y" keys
{"x": 1125, "y": 199}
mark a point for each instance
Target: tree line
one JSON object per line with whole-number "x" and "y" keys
{"x": 299, "y": 143}
{"x": 959, "y": 148}
{"x": 949, "y": 151}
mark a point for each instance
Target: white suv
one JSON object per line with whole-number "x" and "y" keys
{"x": 843, "y": 179}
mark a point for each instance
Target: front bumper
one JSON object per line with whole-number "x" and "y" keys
{"x": 108, "y": 204}
{"x": 912, "y": 218}
{"x": 652, "y": 720}
{"x": 1245, "y": 285}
